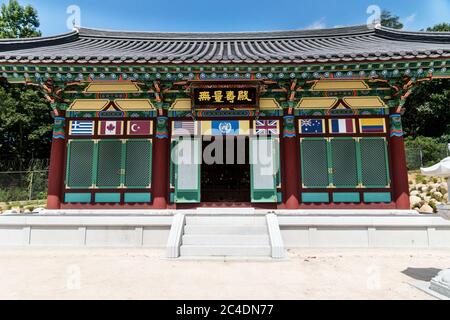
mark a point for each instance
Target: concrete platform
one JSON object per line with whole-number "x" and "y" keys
{"x": 300, "y": 229}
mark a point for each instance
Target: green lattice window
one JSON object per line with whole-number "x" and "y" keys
{"x": 188, "y": 153}
{"x": 374, "y": 162}
{"x": 264, "y": 169}
{"x": 138, "y": 164}
{"x": 173, "y": 144}
{"x": 314, "y": 155}
{"x": 344, "y": 162}
{"x": 109, "y": 164}
{"x": 110, "y": 168}
{"x": 80, "y": 164}
{"x": 278, "y": 164}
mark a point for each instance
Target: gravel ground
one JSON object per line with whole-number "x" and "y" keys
{"x": 143, "y": 274}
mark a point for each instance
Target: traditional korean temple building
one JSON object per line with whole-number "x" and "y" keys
{"x": 325, "y": 105}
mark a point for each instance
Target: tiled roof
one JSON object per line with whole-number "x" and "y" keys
{"x": 359, "y": 43}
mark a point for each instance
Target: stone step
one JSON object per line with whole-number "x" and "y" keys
{"x": 235, "y": 221}
{"x": 225, "y": 251}
{"x": 229, "y": 240}
{"x": 225, "y": 230}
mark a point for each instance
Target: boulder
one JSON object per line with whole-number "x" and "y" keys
{"x": 414, "y": 200}
{"x": 415, "y": 193}
{"x": 426, "y": 208}
{"x": 10, "y": 212}
{"x": 437, "y": 195}
{"x": 39, "y": 211}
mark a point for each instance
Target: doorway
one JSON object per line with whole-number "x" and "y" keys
{"x": 225, "y": 175}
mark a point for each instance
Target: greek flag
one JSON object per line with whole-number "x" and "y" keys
{"x": 82, "y": 128}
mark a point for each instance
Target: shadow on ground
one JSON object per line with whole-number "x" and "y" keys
{"x": 421, "y": 274}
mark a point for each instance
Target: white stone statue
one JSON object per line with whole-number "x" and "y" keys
{"x": 441, "y": 283}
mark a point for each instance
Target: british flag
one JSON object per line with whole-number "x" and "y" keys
{"x": 267, "y": 127}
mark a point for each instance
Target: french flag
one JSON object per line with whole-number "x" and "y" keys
{"x": 342, "y": 126}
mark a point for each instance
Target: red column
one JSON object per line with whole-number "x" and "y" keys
{"x": 160, "y": 180}
{"x": 291, "y": 163}
{"x": 56, "y": 170}
{"x": 400, "y": 182}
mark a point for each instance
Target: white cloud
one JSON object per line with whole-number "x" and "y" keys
{"x": 410, "y": 19}
{"x": 319, "y": 24}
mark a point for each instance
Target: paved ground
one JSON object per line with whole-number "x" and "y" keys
{"x": 142, "y": 274}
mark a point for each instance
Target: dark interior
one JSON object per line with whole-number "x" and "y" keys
{"x": 227, "y": 182}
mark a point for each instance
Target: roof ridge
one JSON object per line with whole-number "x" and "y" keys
{"x": 39, "y": 39}
{"x": 298, "y": 33}
{"x": 417, "y": 36}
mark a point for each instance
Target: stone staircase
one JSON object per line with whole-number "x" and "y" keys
{"x": 224, "y": 236}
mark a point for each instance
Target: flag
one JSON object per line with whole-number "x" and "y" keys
{"x": 183, "y": 128}
{"x": 312, "y": 126}
{"x": 140, "y": 128}
{"x": 110, "y": 128}
{"x": 342, "y": 126}
{"x": 377, "y": 125}
{"x": 225, "y": 128}
{"x": 82, "y": 128}
{"x": 267, "y": 127}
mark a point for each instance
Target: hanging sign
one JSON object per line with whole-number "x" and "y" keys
{"x": 225, "y": 96}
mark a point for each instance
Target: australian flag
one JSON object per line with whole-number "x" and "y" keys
{"x": 312, "y": 126}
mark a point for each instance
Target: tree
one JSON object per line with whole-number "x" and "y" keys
{"x": 18, "y": 21}
{"x": 390, "y": 21}
{"x": 26, "y": 123}
{"x": 427, "y": 108}
{"x": 442, "y": 27}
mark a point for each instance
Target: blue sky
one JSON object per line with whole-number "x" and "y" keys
{"x": 232, "y": 15}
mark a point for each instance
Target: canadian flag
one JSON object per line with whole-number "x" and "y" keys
{"x": 111, "y": 128}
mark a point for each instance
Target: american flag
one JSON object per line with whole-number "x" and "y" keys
{"x": 82, "y": 128}
{"x": 183, "y": 128}
{"x": 267, "y": 127}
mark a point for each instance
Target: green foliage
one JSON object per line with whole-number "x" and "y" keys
{"x": 432, "y": 150}
{"x": 427, "y": 109}
{"x": 421, "y": 179}
{"x": 391, "y": 21}
{"x": 18, "y": 21}
{"x": 25, "y": 123}
{"x": 13, "y": 194}
{"x": 442, "y": 27}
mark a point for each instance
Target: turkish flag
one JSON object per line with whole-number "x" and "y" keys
{"x": 111, "y": 128}
{"x": 140, "y": 128}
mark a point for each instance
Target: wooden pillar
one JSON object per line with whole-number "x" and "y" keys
{"x": 56, "y": 170}
{"x": 291, "y": 164}
{"x": 400, "y": 182}
{"x": 161, "y": 151}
